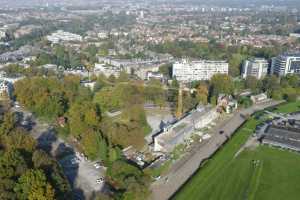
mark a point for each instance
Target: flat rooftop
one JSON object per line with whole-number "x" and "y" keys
{"x": 284, "y": 137}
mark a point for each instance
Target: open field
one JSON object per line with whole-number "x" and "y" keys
{"x": 264, "y": 173}
{"x": 288, "y": 107}
{"x": 204, "y": 179}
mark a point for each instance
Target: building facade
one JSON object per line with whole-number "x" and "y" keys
{"x": 256, "y": 67}
{"x": 182, "y": 130}
{"x": 107, "y": 70}
{"x": 5, "y": 89}
{"x": 61, "y": 36}
{"x": 285, "y": 64}
{"x": 198, "y": 70}
{"x": 2, "y": 34}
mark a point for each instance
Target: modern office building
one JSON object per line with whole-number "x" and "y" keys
{"x": 285, "y": 64}
{"x": 186, "y": 71}
{"x": 256, "y": 67}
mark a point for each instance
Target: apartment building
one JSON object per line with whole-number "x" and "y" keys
{"x": 285, "y": 64}
{"x": 186, "y": 71}
{"x": 256, "y": 67}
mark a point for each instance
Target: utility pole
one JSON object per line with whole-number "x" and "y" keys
{"x": 179, "y": 111}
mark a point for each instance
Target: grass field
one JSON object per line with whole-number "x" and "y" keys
{"x": 275, "y": 176}
{"x": 288, "y": 107}
{"x": 225, "y": 177}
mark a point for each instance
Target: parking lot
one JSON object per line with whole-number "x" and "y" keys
{"x": 84, "y": 176}
{"x": 83, "y": 173}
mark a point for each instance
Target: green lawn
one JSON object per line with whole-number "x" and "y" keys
{"x": 277, "y": 176}
{"x": 225, "y": 177}
{"x": 200, "y": 183}
{"x": 288, "y": 107}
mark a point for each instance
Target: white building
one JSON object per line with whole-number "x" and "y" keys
{"x": 5, "y": 88}
{"x": 102, "y": 34}
{"x": 260, "y": 98}
{"x": 61, "y": 36}
{"x": 183, "y": 129}
{"x": 143, "y": 70}
{"x": 256, "y": 67}
{"x": 198, "y": 70}
{"x": 133, "y": 66}
{"x": 154, "y": 75}
{"x": 295, "y": 35}
{"x": 107, "y": 70}
{"x": 2, "y": 34}
{"x": 285, "y": 64}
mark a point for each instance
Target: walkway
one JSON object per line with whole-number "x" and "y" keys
{"x": 180, "y": 172}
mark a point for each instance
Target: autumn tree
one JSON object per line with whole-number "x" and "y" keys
{"x": 202, "y": 93}
{"x": 8, "y": 123}
{"x": 12, "y": 165}
{"x": 221, "y": 83}
{"x": 129, "y": 179}
{"x": 82, "y": 117}
{"x": 252, "y": 83}
{"x": 32, "y": 185}
{"x": 271, "y": 84}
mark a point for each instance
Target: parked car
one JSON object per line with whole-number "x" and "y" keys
{"x": 97, "y": 165}
{"x": 100, "y": 180}
{"x": 17, "y": 105}
{"x": 74, "y": 161}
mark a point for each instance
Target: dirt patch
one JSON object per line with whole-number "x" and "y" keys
{"x": 251, "y": 144}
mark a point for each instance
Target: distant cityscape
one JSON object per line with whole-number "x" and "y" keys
{"x": 130, "y": 99}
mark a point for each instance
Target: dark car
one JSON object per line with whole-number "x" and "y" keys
{"x": 221, "y": 132}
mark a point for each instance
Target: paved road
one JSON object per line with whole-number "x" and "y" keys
{"x": 82, "y": 175}
{"x": 182, "y": 170}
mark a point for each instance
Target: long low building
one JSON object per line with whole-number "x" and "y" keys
{"x": 60, "y": 36}
{"x": 186, "y": 71}
{"x": 133, "y": 66}
{"x": 107, "y": 70}
{"x": 183, "y": 129}
{"x": 282, "y": 137}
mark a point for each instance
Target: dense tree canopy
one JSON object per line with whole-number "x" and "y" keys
{"x": 25, "y": 171}
{"x": 221, "y": 83}
{"x": 129, "y": 179}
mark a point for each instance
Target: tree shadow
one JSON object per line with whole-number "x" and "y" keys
{"x": 66, "y": 156}
{"x": 46, "y": 140}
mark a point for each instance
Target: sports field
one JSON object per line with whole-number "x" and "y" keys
{"x": 263, "y": 173}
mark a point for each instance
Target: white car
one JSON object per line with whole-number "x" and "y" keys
{"x": 100, "y": 180}
{"x": 97, "y": 165}
{"x": 74, "y": 161}
{"x": 17, "y": 105}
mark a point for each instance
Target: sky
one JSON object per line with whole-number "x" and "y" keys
{"x": 210, "y": 2}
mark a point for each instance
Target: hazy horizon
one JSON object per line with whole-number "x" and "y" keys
{"x": 28, "y": 3}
